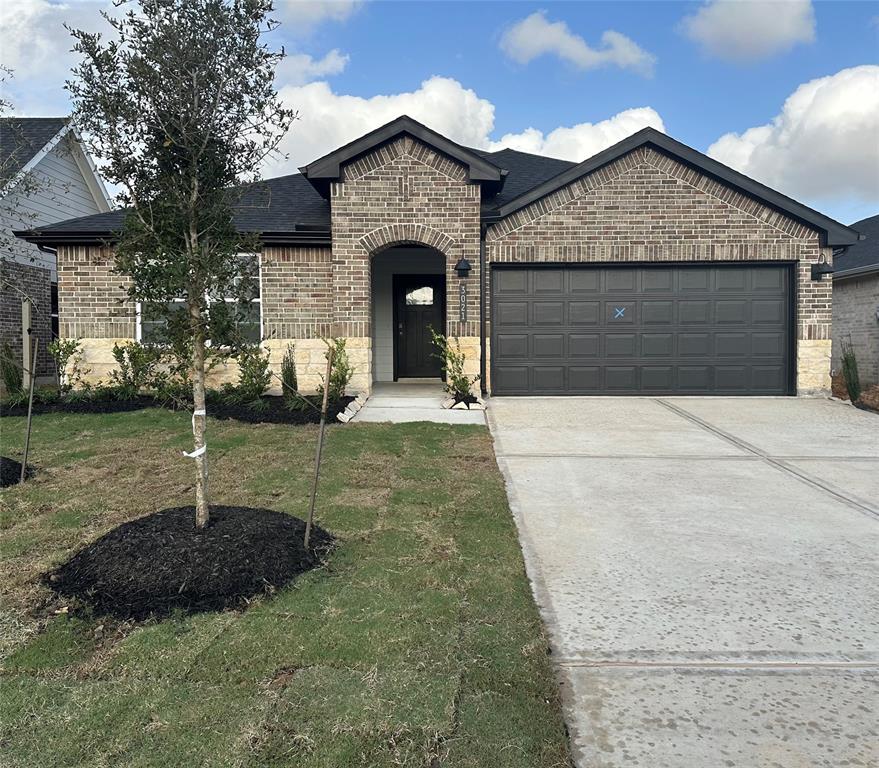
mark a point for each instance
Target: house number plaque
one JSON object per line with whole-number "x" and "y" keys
{"x": 462, "y": 302}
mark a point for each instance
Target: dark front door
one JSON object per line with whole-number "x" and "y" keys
{"x": 419, "y": 305}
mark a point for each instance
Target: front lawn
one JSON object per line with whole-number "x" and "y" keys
{"x": 419, "y": 644}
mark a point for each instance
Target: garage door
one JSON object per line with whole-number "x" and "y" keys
{"x": 641, "y": 330}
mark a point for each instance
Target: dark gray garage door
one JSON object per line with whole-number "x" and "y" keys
{"x": 646, "y": 329}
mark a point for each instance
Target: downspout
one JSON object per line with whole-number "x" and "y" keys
{"x": 482, "y": 278}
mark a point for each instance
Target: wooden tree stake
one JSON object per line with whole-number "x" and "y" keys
{"x": 320, "y": 445}
{"x": 30, "y": 409}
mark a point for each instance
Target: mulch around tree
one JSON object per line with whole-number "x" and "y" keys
{"x": 10, "y": 471}
{"x": 162, "y": 563}
{"x": 270, "y": 409}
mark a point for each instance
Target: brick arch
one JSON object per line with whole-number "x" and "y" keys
{"x": 400, "y": 234}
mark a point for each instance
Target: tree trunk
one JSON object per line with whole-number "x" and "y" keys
{"x": 199, "y": 419}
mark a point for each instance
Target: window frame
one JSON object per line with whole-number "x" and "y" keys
{"x": 138, "y": 306}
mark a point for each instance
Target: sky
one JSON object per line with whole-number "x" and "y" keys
{"x": 785, "y": 91}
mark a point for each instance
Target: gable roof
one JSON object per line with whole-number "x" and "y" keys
{"x": 833, "y": 232}
{"x": 22, "y": 139}
{"x": 863, "y": 256}
{"x": 295, "y": 208}
{"x": 327, "y": 169}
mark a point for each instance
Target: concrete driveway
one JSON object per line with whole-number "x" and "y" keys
{"x": 709, "y": 573}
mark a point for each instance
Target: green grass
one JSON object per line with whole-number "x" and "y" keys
{"x": 418, "y": 645}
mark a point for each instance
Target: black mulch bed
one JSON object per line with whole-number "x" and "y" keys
{"x": 272, "y": 410}
{"x": 162, "y": 563}
{"x": 10, "y": 471}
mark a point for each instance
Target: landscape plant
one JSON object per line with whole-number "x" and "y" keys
{"x": 254, "y": 375}
{"x": 289, "y": 380}
{"x": 135, "y": 370}
{"x": 10, "y": 371}
{"x": 341, "y": 371}
{"x": 458, "y": 384}
{"x": 850, "y": 371}
{"x": 67, "y": 354}
{"x": 180, "y": 108}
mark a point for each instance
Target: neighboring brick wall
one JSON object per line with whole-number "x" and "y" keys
{"x": 35, "y": 283}
{"x": 855, "y": 304}
{"x": 647, "y": 207}
{"x": 403, "y": 192}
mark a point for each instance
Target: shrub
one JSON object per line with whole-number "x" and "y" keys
{"x": 850, "y": 371}
{"x": 254, "y": 376}
{"x": 67, "y": 354}
{"x": 135, "y": 368}
{"x": 458, "y": 384}
{"x": 289, "y": 383}
{"x": 341, "y": 371}
{"x": 11, "y": 372}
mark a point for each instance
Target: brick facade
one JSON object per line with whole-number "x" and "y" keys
{"x": 855, "y": 308}
{"x": 16, "y": 281}
{"x": 648, "y": 207}
{"x": 644, "y": 207}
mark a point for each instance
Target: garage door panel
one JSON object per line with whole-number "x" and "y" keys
{"x": 659, "y": 329}
{"x": 547, "y": 312}
{"x": 548, "y": 345}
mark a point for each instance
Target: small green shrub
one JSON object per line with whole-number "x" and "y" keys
{"x": 135, "y": 368}
{"x": 458, "y": 384}
{"x": 254, "y": 376}
{"x": 850, "y": 371}
{"x": 67, "y": 354}
{"x": 11, "y": 372}
{"x": 289, "y": 382}
{"x": 341, "y": 371}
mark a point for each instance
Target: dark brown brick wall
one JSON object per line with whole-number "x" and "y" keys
{"x": 16, "y": 280}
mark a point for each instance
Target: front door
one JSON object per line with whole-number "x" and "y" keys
{"x": 419, "y": 305}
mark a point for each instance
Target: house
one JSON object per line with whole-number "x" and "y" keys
{"x": 45, "y": 177}
{"x": 856, "y": 301}
{"x": 647, "y": 269}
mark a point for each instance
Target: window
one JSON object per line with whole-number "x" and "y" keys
{"x": 420, "y": 296}
{"x": 151, "y": 323}
{"x": 53, "y": 311}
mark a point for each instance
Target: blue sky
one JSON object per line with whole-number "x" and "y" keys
{"x": 786, "y": 91}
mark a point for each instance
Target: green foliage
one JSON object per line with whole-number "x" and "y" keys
{"x": 10, "y": 371}
{"x": 67, "y": 354}
{"x": 341, "y": 371}
{"x": 850, "y": 371}
{"x": 254, "y": 375}
{"x": 289, "y": 382}
{"x": 457, "y": 384}
{"x": 135, "y": 368}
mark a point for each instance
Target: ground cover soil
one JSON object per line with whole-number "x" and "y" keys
{"x": 10, "y": 471}
{"x": 161, "y": 563}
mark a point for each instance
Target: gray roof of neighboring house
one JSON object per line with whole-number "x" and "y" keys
{"x": 862, "y": 256}
{"x": 23, "y": 137}
{"x": 295, "y": 208}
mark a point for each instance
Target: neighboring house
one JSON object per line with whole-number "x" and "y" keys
{"x": 45, "y": 177}
{"x": 646, "y": 269}
{"x": 856, "y": 301}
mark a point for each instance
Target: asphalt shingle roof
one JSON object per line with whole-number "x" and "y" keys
{"x": 21, "y": 138}
{"x": 525, "y": 171}
{"x": 864, "y": 253}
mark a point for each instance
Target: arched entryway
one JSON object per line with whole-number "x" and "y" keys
{"x": 408, "y": 293}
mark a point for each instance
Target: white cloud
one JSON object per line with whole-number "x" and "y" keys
{"x": 536, "y": 36}
{"x": 329, "y": 120}
{"x": 749, "y": 30}
{"x": 300, "y": 68}
{"x": 304, "y": 15}
{"x": 584, "y": 139}
{"x": 822, "y": 147}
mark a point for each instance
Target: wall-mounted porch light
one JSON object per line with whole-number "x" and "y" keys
{"x": 462, "y": 268}
{"x": 821, "y": 268}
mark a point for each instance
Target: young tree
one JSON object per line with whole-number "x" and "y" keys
{"x": 179, "y": 108}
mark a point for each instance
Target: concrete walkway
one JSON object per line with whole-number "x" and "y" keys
{"x": 402, "y": 401}
{"x": 709, "y": 573}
